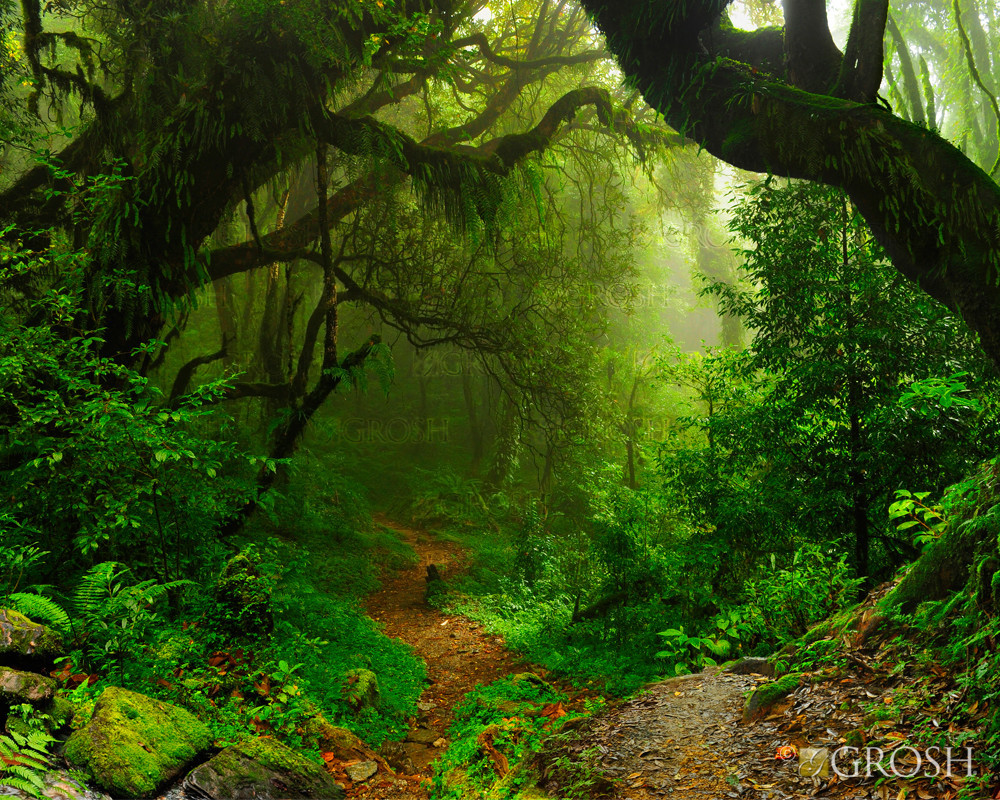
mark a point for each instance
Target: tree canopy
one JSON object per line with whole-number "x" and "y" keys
{"x": 787, "y": 101}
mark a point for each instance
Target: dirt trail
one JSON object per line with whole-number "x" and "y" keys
{"x": 676, "y": 740}
{"x": 459, "y": 654}
{"x": 682, "y": 739}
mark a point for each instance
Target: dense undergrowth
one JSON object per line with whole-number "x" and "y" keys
{"x": 531, "y": 580}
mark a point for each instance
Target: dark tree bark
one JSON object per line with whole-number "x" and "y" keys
{"x": 936, "y": 213}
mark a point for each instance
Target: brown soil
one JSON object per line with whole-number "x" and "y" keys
{"x": 458, "y": 653}
{"x": 686, "y": 739}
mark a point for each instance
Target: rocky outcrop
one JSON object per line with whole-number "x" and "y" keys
{"x": 26, "y": 644}
{"x": 25, "y": 687}
{"x": 263, "y": 769}
{"x": 752, "y": 666}
{"x": 134, "y": 744}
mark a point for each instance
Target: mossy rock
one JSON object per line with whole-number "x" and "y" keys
{"x": 361, "y": 690}
{"x": 262, "y": 769}
{"x": 761, "y": 701}
{"x": 244, "y": 595}
{"x": 133, "y": 744}
{"x": 532, "y": 679}
{"x": 18, "y": 687}
{"x": 750, "y": 666}
{"x": 344, "y": 745}
{"x": 24, "y": 643}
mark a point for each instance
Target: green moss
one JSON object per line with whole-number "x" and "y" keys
{"x": 770, "y": 693}
{"x": 25, "y": 687}
{"x": 244, "y": 596}
{"x": 134, "y": 744}
{"x": 361, "y": 689}
{"x": 262, "y": 768}
{"x": 21, "y": 639}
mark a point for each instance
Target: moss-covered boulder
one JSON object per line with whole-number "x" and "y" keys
{"x": 25, "y": 687}
{"x": 26, "y": 644}
{"x": 531, "y": 679}
{"x": 263, "y": 769}
{"x": 761, "y": 701}
{"x": 134, "y": 744}
{"x": 361, "y": 690}
{"x": 244, "y": 596}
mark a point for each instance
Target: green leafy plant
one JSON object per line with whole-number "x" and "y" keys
{"x": 117, "y": 613}
{"x": 691, "y": 653}
{"x": 910, "y": 513}
{"x": 782, "y": 605}
{"x": 24, "y": 754}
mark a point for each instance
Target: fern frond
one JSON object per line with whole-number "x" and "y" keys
{"x": 40, "y": 608}
{"x": 97, "y": 587}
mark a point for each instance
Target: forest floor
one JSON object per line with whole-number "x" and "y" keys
{"x": 458, "y": 652}
{"x": 682, "y": 738}
{"x": 685, "y": 738}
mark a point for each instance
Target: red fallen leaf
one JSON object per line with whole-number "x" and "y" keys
{"x": 164, "y": 684}
{"x": 79, "y": 678}
{"x": 214, "y": 690}
{"x": 264, "y": 687}
{"x": 327, "y": 757}
{"x": 64, "y": 673}
{"x": 554, "y": 710}
{"x": 178, "y": 672}
{"x": 217, "y": 658}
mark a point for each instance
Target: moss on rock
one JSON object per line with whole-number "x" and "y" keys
{"x": 134, "y": 744}
{"x": 25, "y": 687}
{"x": 262, "y": 769}
{"x": 24, "y": 643}
{"x": 766, "y": 696}
{"x": 532, "y": 679}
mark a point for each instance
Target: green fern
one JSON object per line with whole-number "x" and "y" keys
{"x": 116, "y": 612}
{"x": 41, "y": 609}
{"x": 105, "y": 592}
{"x": 24, "y": 760}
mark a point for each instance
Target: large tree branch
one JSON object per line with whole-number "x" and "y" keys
{"x": 861, "y": 69}
{"x": 453, "y": 166}
{"x": 936, "y": 213}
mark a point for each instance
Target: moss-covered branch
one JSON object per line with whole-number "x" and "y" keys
{"x": 936, "y": 213}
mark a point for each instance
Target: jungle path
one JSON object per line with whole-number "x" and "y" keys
{"x": 458, "y": 652}
{"x": 682, "y": 739}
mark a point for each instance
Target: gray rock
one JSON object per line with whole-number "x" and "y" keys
{"x": 362, "y": 771}
{"x": 262, "y": 769}
{"x": 24, "y": 643}
{"x": 748, "y": 666}
{"x": 423, "y": 736}
{"x": 25, "y": 687}
{"x": 395, "y": 756}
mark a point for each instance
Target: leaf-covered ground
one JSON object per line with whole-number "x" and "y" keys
{"x": 686, "y": 737}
